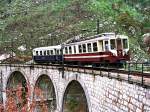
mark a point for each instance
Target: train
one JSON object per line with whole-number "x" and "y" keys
{"x": 106, "y": 48}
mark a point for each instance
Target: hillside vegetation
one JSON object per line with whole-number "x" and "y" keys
{"x": 34, "y": 23}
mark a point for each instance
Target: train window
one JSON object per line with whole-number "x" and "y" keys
{"x": 70, "y": 50}
{"x": 60, "y": 51}
{"x": 80, "y": 49}
{"x": 44, "y": 53}
{"x": 89, "y": 47}
{"x": 40, "y": 52}
{"x": 37, "y": 53}
{"x": 66, "y": 50}
{"x": 113, "y": 43}
{"x": 75, "y": 49}
{"x": 57, "y": 52}
{"x": 106, "y": 46}
{"x": 51, "y": 52}
{"x": 94, "y": 46}
{"x": 125, "y": 43}
{"x": 48, "y": 52}
{"x": 84, "y": 47}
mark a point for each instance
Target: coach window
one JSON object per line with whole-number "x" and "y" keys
{"x": 37, "y": 53}
{"x": 51, "y": 52}
{"x": 40, "y": 52}
{"x": 57, "y": 52}
{"x": 44, "y": 53}
{"x": 48, "y": 52}
{"x": 94, "y": 46}
{"x": 89, "y": 47}
{"x": 70, "y": 50}
{"x": 84, "y": 48}
{"x": 113, "y": 43}
{"x": 74, "y": 49}
{"x": 80, "y": 49}
{"x": 125, "y": 43}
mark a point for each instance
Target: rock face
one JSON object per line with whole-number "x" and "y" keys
{"x": 147, "y": 39}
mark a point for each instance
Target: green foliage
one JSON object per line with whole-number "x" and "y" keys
{"x": 127, "y": 21}
{"x": 72, "y": 104}
{"x": 32, "y": 20}
{"x": 19, "y": 7}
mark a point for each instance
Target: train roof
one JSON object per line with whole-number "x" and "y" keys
{"x": 48, "y": 48}
{"x": 103, "y": 36}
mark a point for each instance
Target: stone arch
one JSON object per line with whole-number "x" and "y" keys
{"x": 11, "y": 73}
{"x": 45, "y": 92}
{"x": 82, "y": 89}
{"x": 16, "y": 83}
{"x": 51, "y": 78}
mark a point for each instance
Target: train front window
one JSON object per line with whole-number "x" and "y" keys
{"x": 125, "y": 43}
{"x": 119, "y": 44}
{"x": 84, "y": 47}
{"x": 80, "y": 49}
{"x": 94, "y": 46}
{"x": 89, "y": 47}
{"x": 112, "y": 44}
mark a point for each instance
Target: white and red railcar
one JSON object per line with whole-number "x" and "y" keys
{"x": 103, "y": 48}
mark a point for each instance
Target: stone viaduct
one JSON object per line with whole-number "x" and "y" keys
{"x": 97, "y": 92}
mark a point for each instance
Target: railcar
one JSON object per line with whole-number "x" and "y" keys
{"x": 50, "y": 54}
{"x": 103, "y": 48}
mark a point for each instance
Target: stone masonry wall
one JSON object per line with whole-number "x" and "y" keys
{"x": 103, "y": 94}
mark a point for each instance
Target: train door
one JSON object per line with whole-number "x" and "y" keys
{"x": 119, "y": 47}
{"x": 100, "y": 46}
{"x": 106, "y": 44}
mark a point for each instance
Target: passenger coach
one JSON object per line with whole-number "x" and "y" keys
{"x": 47, "y": 54}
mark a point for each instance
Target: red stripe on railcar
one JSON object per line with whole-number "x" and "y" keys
{"x": 89, "y": 54}
{"x": 91, "y": 57}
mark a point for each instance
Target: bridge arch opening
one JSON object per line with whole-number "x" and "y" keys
{"x": 74, "y": 98}
{"x": 44, "y": 95}
{"x": 16, "y": 91}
